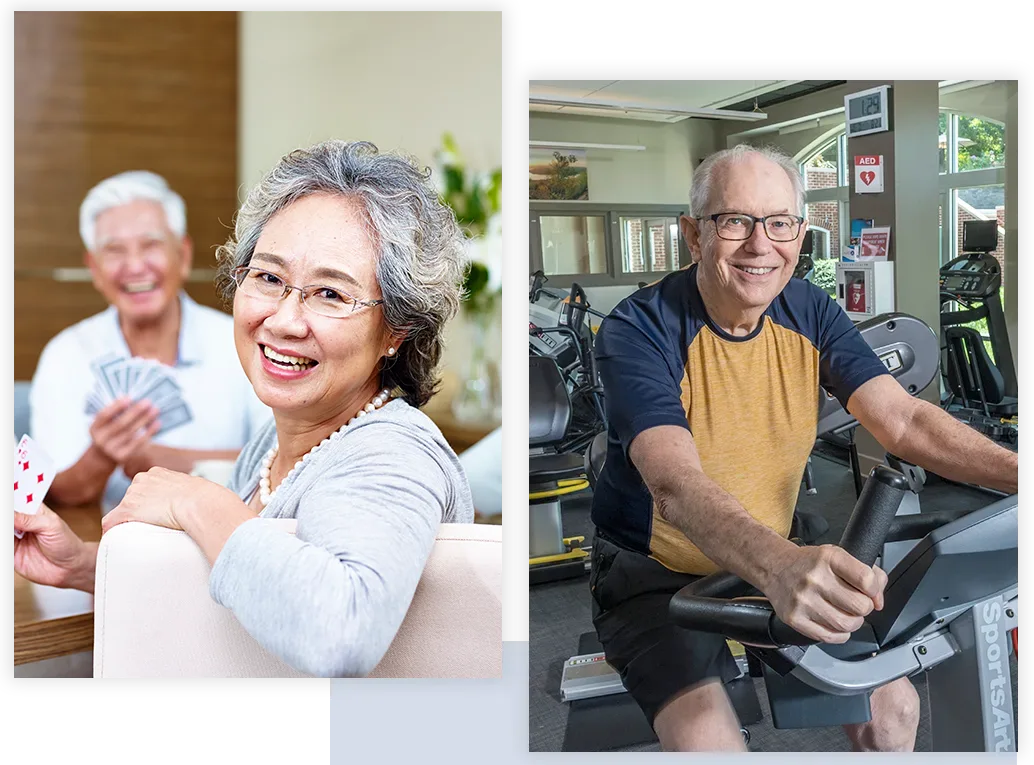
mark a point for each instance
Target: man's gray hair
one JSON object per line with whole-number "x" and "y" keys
{"x": 131, "y": 186}
{"x": 703, "y": 176}
{"x": 420, "y": 264}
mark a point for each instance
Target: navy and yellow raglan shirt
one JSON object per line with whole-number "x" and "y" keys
{"x": 750, "y": 402}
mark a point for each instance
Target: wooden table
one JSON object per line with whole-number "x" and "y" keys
{"x": 49, "y": 621}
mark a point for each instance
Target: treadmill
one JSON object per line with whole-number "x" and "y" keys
{"x": 982, "y": 391}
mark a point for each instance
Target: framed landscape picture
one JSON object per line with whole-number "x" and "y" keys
{"x": 558, "y": 174}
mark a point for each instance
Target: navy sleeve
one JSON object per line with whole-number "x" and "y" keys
{"x": 640, "y": 389}
{"x": 845, "y": 360}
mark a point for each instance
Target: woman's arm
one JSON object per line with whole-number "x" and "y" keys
{"x": 208, "y": 512}
{"x": 330, "y": 600}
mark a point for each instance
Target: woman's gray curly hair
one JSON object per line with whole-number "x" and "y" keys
{"x": 420, "y": 265}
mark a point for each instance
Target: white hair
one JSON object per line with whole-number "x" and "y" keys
{"x": 129, "y": 187}
{"x": 700, "y": 192}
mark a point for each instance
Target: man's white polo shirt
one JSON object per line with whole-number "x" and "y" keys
{"x": 226, "y": 411}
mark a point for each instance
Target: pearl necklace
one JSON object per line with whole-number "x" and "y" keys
{"x": 265, "y": 495}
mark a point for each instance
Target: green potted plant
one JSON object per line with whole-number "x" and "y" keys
{"x": 475, "y": 198}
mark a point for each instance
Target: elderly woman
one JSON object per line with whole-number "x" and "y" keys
{"x": 343, "y": 270}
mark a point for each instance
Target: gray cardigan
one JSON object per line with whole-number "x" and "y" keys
{"x": 330, "y": 599}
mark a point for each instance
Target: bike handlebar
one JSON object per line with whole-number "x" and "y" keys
{"x": 706, "y": 606}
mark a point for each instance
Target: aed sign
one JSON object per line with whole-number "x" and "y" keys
{"x": 868, "y": 173}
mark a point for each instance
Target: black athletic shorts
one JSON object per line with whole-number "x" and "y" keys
{"x": 656, "y": 659}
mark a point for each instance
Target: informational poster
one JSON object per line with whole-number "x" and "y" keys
{"x": 875, "y": 244}
{"x": 857, "y": 224}
{"x": 868, "y": 173}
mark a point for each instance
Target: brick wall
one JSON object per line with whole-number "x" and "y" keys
{"x": 634, "y": 239}
{"x": 658, "y": 237}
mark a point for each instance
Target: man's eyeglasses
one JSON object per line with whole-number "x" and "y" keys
{"x": 333, "y": 302}
{"x": 736, "y": 226}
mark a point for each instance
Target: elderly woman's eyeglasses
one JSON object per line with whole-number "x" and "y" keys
{"x": 736, "y": 226}
{"x": 325, "y": 301}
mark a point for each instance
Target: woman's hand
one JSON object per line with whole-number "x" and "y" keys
{"x": 168, "y": 498}
{"x": 50, "y": 552}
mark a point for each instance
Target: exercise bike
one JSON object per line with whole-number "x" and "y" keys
{"x": 565, "y": 413}
{"x": 949, "y": 605}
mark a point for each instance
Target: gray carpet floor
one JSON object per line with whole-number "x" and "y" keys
{"x": 560, "y": 612}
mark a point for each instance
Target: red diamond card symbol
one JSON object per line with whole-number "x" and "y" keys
{"x": 39, "y": 478}
{"x": 26, "y": 465}
{"x": 28, "y": 498}
{"x": 16, "y": 486}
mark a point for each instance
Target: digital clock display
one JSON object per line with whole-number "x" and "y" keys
{"x": 855, "y": 127}
{"x": 868, "y": 111}
{"x": 866, "y": 105}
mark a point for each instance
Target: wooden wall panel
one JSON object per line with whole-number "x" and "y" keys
{"x": 100, "y": 93}
{"x": 43, "y": 307}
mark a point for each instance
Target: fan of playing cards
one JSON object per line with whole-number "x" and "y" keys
{"x": 138, "y": 379}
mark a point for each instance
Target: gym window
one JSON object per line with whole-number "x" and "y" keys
{"x": 602, "y": 245}
{"x": 825, "y": 174}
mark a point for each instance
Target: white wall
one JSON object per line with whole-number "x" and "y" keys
{"x": 661, "y": 174}
{"x": 604, "y": 299}
{"x": 400, "y": 80}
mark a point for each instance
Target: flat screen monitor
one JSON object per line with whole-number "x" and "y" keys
{"x": 980, "y": 236}
{"x": 807, "y": 245}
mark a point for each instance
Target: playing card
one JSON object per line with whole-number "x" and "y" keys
{"x": 102, "y": 369}
{"x": 136, "y": 369}
{"x": 93, "y": 404}
{"x": 164, "y": 393}
{"x": 173, "y": 417}
{"x": 145, "y": 373}
{"x": 119, "y": 377}
{"x": 33, "y": 474}
{"x": 163, "y": 387}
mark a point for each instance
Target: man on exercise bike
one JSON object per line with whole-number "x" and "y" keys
{"x": 712, "y": 378}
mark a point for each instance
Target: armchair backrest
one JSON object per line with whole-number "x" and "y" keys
{"x": 154, "y": 617}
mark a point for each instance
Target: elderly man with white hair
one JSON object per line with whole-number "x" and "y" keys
{"x": 712, "y": 378}
{"x": 139, "y": 255}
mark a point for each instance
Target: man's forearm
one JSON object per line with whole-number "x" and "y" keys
{"x": 84, "y": 576}
{"x": 180, "y": 460}
{"x": 723, "y": 530}
{"x": 941, "y": 444}
{"x": 84, "y": 481}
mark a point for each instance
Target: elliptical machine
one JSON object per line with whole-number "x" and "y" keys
{"x": 982, "y": 392}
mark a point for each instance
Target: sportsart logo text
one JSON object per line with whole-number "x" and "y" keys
{"x": 992, "y": 653}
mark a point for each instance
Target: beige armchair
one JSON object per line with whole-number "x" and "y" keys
{"x": 154, "y": 617}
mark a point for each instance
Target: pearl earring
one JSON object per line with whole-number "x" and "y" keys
{"x": 391, "y": 351}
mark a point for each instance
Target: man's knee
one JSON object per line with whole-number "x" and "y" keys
{"x": 700, "y": 719}
{"x": 898, "y": 705}
{"x": 895, "y": 720}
